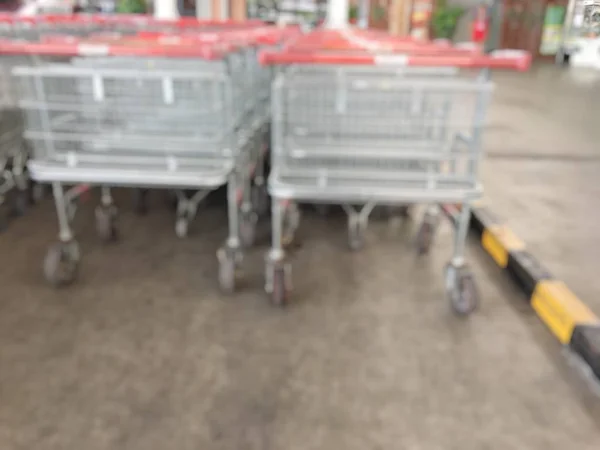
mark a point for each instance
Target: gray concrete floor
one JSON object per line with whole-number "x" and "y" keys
{"x": 144, "y": 353}
{"x": 541, "y": 174}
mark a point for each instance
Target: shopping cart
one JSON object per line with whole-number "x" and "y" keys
{"x": 360, "y": 126}
{"x": 130, "y": 114}
{"x": 64, "y": 29}
{"x": 257, "y": 81}
{"x": 32, "y": 28}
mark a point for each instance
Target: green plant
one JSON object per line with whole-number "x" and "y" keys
{"x": 378, "y": 13}
{"x": 131, "y": 6}
{"x": 353, "y": 12}
{"x": 444, "y": 19}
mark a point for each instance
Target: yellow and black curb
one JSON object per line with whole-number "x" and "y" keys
{"x": 567, "y": 317}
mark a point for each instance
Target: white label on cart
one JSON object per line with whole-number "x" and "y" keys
{"x": 168, "y": 94}
{"x": 93, "y": 49}
{"x": 172, "y": 163}
{"x": 71, "y": 159}
{"x": 98, "y": 88}
{"x": 391, "y": 60}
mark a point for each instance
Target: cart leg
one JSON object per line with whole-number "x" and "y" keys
{"x": 187, "y": 208}
{"x": 260, "y": 197}
{"x": 357, "y": 224}
{"x": 248, "y": 217}
{"x": 229, "y": 256}
{"x": 106, "y": 214}
{"x": 460, "y": 236}
{"x": 62, "y": 213}
{"x": 182, "y": 219}
{"x": 461, "y": 288}
{"x": 290, "y": 221}
{"x": 427, "y": 229}
{"x": 62, "y": 259}
{"x": 278, "y": 271}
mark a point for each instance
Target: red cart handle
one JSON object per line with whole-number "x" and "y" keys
{"x": 359, "y": 40}
{"x": 72, "y": 47}
{"x": 123, "y": 19}
{"x": 265, "y": 35}
{"x": 501, "y": 59}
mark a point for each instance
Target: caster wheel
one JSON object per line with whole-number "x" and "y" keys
{"x": 140, "y": 203}
{"x": 20, "y": 203}
{"x": 61, "y": 263}
{"x": 248, "y": 229}
{"x": 461, "y": 290}
{"x": 260, "y": 199}
{"x": 105, "y": 223}
{"x": 227, "y": 266}
{"x": 424, "y": 237}
{"x": 181, "y": 227}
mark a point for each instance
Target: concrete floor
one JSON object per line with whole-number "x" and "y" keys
{"x": 541, "y": 173}
{"x": 144, "y": 353}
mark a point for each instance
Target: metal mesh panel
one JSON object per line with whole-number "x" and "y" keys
{"x": 378, "y": 128}
{"x": 77, "y": 113}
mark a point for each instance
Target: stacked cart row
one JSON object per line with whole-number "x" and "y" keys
{"x": 353, "y": 118}
{"x": 184, "y": 109}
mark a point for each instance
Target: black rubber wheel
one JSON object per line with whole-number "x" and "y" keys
{"x": 61, "y": 263}
{"x": 462, "y": 291}
{"x": 424, "y": 238}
